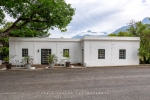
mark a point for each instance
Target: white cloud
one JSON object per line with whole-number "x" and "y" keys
{"x": 103, "y": 15}
{"x": 107, "y": 16}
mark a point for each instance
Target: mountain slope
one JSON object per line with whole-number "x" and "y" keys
{"x": 124, "y": 28}
{"x": 146, "y": 20}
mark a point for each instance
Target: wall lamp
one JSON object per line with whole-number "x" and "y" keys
{"x": 38, "y": 50}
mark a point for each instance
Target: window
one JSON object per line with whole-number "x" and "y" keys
{"x": 101, "y": 53}
{"x": 122, "y": 54}
{"x": 65, "y": 52}
{"x": 24, "y": 52}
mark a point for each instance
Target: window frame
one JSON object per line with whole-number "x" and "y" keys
{"x": 100, "y": 54}
{"x": 122, "y": 53}
{"x": 25, "y": 54}
{"x": 65, "y": 50}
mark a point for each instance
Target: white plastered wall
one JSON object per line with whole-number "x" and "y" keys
{"x": 15, "y": 48}
{"x": 55, "y": 46}
{"x": 90, "y": 46}
{"x": 111, "y": 53}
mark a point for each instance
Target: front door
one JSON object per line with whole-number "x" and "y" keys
{"x": 44, "y": 53}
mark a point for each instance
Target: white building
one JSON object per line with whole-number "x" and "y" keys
{"x": 90, "y": 51}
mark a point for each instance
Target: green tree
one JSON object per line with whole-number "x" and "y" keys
{"x": 35, "y": 16}
{"x": 112, "y": 34}
{"x": 144, "y": 50}
{"x": 23, "y": 32}
{"x": 2, "y": 16}
{"x": 136, "y": 28}
{"x": 141, "y": 30}
{"x": 127, "y": 34}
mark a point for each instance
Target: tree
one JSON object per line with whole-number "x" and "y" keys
{"x": 30, "y": 31}
{"x": 143, "y": 31}
{"x": 35, "y": 16}
{"x": 127, "y": 34}
{"x": 144, "y": 50}
{"x": 2, "y": 16}
{"x": 136, "y": 28}
{"x": 112, "y": 34}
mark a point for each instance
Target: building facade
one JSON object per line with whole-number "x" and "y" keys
{"x": 90, "y": 51}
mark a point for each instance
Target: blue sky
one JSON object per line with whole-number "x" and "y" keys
{"x": 102, "y": 15}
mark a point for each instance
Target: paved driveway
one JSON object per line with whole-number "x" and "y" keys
{"x": 111, "y": 83}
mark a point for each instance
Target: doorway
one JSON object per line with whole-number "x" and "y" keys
{"x": 44, "y": 54}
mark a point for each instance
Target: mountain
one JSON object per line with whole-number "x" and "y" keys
{"x": 90, "y": 33}
{"x": 79, "y": 36}
{"x": 124, "y": 28}
{"x": 103, "y": 34}
{"x": 146, "y": 20}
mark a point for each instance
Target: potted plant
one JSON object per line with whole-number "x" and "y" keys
{"x": 6, "y": 59}
{"x": 68, "y": 62}
{"x": 51, "y": 59}
{"x": 27, "y": 60}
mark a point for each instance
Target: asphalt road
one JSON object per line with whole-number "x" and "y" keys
{"x": 111, "y": 83}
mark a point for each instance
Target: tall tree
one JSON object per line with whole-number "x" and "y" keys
{"x": 143, "y": 31}
{"x": 144, "y": 50}
{"x": 36, "y": 15}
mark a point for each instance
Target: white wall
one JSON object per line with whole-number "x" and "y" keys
{"x": 111, "y": 53}
{"x": 91, "y": 53}
{"x": 131, "y": 53}
{"x": 56, "y": 48}
{"x": 90, "y": 46}
{"x": 15, "y": 48}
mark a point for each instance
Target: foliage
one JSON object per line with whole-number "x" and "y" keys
{"x": 29, "y": 32}
{"x": 4, "y": 41}
{"x": 144, "y": 51}
{"x": 51, "y": 58}
{"x": 125, "y": 34}
{"x": 5, "y": 50}
{"x": 112, "y": 34}
{"x": 25, "y": 31}
{"x": 136, "y": 28}
{"x": 2, "y": 16}
{"x": 141, "y": 30}
{"x": 7, "y": 58}
{"x": 36, "y": 15}
{"x": 27, "y": 59}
